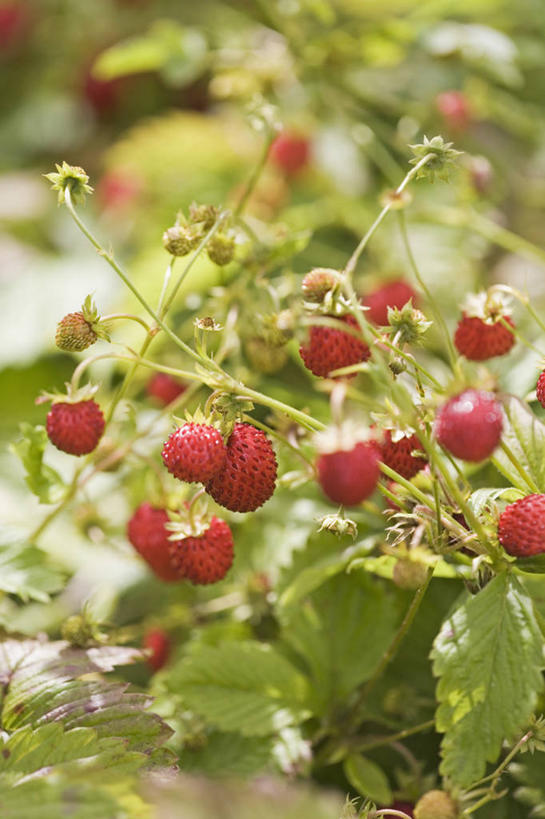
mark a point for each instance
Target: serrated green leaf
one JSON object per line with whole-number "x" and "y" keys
{"x": 488, "y": 656}
{"x": 247, "y": 687}
{"x": 42, "y": 480}
{"x": 524, "y": 434}
{"x": 228, "y": 754}
{"x": 368, "y": 779}
{"x": 27, "y": 571}
{"x": 481, "y": 499}
{"x": 341, "y": 632}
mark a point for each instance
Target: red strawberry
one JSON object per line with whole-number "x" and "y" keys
{"x": 146, "y": 531}
{"x": 393, "y": 294}
{"x": 248, "y": 475}
{"x": 521, "y": 529}
{"x": 477, "y": 340}
{"x": 469, "y": 426}
{"x": 454, "y": 108}
{"x": 118, "y": 189}
{"x": 157, "y": 640}
{"x": 14, "y": 19}
{"x": 349, "y": 476}
{"x": 328, "y": 349}
{"x": 75, "y": 428}
{"x": 397, "y": 454}
{"x": 206, "y": 558}
{"x": 290, "y": 152}
{"x": 164, "y": 388}
{"x": 194, "y": 452}
{"x": 540, "y": 389}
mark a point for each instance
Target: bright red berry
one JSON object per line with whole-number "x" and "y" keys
{"x": 393, "y": 294}
{"x": 75, "y": 428}
{"x": 349, "y": 476}
{"x": 328, "y": 349}
{"x": 290, "y": 152}
{"x": 397, "y": 454}
{"x": 469, "y": 426}
{"x": 477, "y": 340}
{"x": 164, "y": 388}
{"x": 157, "y": 640}
{"x": 147, "y": 533}
{"x": 248, "y": 475}
{"x": 454, "y": 108}
{"x": 521, "y": 529}
{"x": 206, "y": 558}
{"x": 540, "y": 389}
{"x": 194, "y": 452}
{"x": 74, "y": 333}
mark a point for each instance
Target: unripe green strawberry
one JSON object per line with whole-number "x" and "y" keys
{"x": 318, "y": 282}
{"x": 180, "y": 240}
{"x": 409, "y": 574}
{"x": 203, "y": 214}
{"x": 74, "y": 333}
{"x": 221, "y": 249}
{"x": 266, "y": 358}
{"x": 436, "y": 805}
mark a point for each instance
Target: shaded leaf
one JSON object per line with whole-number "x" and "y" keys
{"x": 27, "y": 571}
{"x": 368, "y": 778}
{"x": 42, "y": 480}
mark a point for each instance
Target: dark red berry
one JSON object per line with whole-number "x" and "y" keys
{"x": 350, "y": 476}
{"x": 290, "y": 152}
{"x": 147, "y": 533}
{"x": 329, "y": 349}
{"x": 469, "y": 426}
{"x": 158, "y": 642}
{"x": 164, "y": 388}
{"x": 397, "y": 454}
{"x": 248, "y": 475}
{"x": 521, "y": 529}
{"x": 75, "y": 428}
{"x": 540, "y": 389}
{"x": 393, "y": 294}
{"x": 206, "y": 558}
{"x": 477, "y": 340}
{"x": 194, "y": 452}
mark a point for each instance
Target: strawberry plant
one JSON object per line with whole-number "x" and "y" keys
{"x": 288, "y": 552}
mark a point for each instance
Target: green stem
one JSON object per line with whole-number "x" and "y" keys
{"x": 407, "y": 732}
{"x": 253, "y": 180}
{"x": 129, "y": 316}
{"x": 518, "y": 466}
{"x": 282, "y": 438}
{"x": 301, "y": 418}
{"x": 494, "y": 777}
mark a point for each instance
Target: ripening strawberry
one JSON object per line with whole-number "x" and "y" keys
{"x": 290, "y": 152}
{"x": 118, "y": 189}
{"x": 75, "y": 428}
{"x": 328, "y": 349}
{"x": 164, "y": 388}
{"x": 248, "y": 475}
{"x": 469, "y": 426}
{"x": 540, "y": 389}
{"x": 436, "y": 805}
{"x": 349, "y": 476}
{"x": 454, "y": 108}
{"x": 205, "y": 558}
{"x": 318, "y": 282}
{"x": 194, "y": 452}
{"x": 14, "y": 19}
{"x": 74, "y": 333}
{"x": 147, "y": 533}
{"x": 156, "y": 639}
{"x": 393, "y": 294}
{"x": 478, "y": 340}
{"x": 397, "y": 454}
{"x": 521, "y": 529}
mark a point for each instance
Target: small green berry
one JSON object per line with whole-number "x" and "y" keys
{"x": 180, "y": 240}
{"x": 221, "y": 249}
{"x": 74, "y": 333}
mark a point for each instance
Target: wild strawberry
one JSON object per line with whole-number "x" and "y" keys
{"x": 318, "y": 282}
{"x": 521, "y": 529}
{"x": 349, "y": 476}
{"x": 290, "y": 152}
{"x": 393, "y": 294}
{"x": 205, "y": 558}
{"x": 180, "y": 240}
{"x": 221, "y": 249}
{"x": 248, "y": 475}
{"x": 164, "y": 388}
{"x": 454, "y": 108}
{"x": 74, "y": 333}
{"x": 540, "y": 389}
{"x": 328, "y": 349}
{"x": 118, "y": 189}
{"x": 147, "y": 533}
{"x": 397, "y": 454}
{"x": 158, "y": 642}
{"x": 469, "y": 426}
{"x": 436, "y": 805}
{"x": 194, "y": 452}
{"x": 75, "y": 428}
{"x": 14, "y": 19}
{"x": 479, "y": 340}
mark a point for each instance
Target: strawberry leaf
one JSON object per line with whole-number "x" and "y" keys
{"x": 26, "y": 570}
{"x": 368, "y": 779}
{"x": 42, "y": 480}
{"x": 489, "y": 652}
